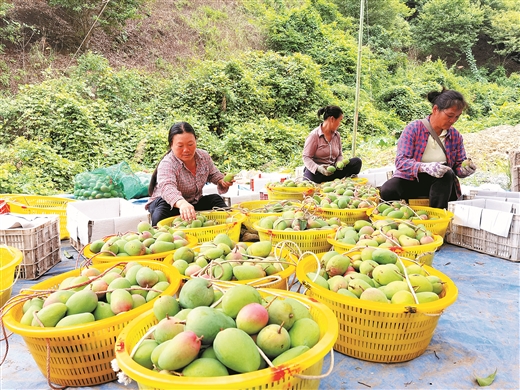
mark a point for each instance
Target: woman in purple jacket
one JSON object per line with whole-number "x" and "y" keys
{"x": 323, "y": 149}
{"x": 423, "y": 168}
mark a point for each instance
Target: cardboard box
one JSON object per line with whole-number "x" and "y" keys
{"x": 486, "y": 225}
{"x": 91, "y": 220}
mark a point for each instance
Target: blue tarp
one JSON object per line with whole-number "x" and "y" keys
{"x": 476, "y": 335}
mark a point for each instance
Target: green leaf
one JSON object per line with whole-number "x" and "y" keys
{"x": 487, "y": 380}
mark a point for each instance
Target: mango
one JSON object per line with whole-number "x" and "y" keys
{"x": 184, "y": 253}
{"x": 180, "y": 351}
{"x": 76, "y": 319}
{"x": 158, "y": 288}
{"x": 305, "y": 332}
{"x": 246, "y": 272}
{"x": 427, "y": 296}
{"x": 121, "y": 301}
{"x": 206, "y": 322}
{"x": 205, "y": 367}
{"x": 337, "y": 265}
{"x": 196, "y": 292}
{"x": 373, "y": 294}
{"x": 403, "y": 297}
{"x": 384, "y": 256}
{"x": 252, "y": 318}
{"x": 298, "y": 308}
{"x": 273, "y": 340}
{"x": 95, "y": 246}
{"x": 165, "y": 305}
{"x": 260, "y": 249}
{"x": 229, "y": 177}
{"x": 102, "y": 311}
{"x": 58, "y": 296}
{"x": 84, "y": 301}
{"x": 290, "y": 354}
{"x": 243, "y": 359}
{"x": 237, "y": 297}
{"x": 28, "y": 316}
{"x": 143, "y": 354}
{"x": 280, "y": 312}
{"x": 146, "y": 277}
{"x": 162, "y": 246}
{"x": 223, "y": 238}
{"x": 49, "y": 315}
{"x": 167, "y": 328}
{"x": 222, "y": 270}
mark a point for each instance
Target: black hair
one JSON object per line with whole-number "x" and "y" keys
{"x": 177, "y": 128}
{"x": 447, "y": 98}
{"x": 327, "y": 111}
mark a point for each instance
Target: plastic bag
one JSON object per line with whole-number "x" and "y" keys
{"x": 116, "y": 181}
{"x": 144, "y": 178}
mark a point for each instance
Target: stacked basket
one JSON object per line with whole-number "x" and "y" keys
{"x": 255, "y": 210}
{"x": 380, "y": 332}
{"x": 10, "y": 258}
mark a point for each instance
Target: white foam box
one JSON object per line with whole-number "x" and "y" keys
{"x": 377, "y": 176}
{"x": 505, "y": 196}
{"x": 486, "y": 225}
{"x": 90, "y": 220}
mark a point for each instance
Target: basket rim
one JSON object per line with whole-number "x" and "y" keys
{"x": 192, "y": 241}
{"x": 429, "y": 307}
{"x": 15, "y": 260}
{"x": 448, "y": 215}
{"x": 238, "y": 215}
{"x": 290, "y": 190}
{"x": 300, "y": 363}
{"x": 438, "y": 241}
{"x": 35, "y": 332}
{"x": 15, "y": 198}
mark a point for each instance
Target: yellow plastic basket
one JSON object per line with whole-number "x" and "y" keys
{"x": 289, "y": 193}
{"x": 425, "y": 202}
{"x": 380, "y": 332}
{"x": 255, "y": 210}
{"x": 80, "y": 355}
{"x": 206, "y": 234}
{"x": 100, "y": 258}
{"x": 34, "y": 204}
{"x": 10, "y": 258}
{"x": 421, "y": 253}
{"x": 436, "y": 226}
{"x": 294, "y": 374}
{"x": 314, "y": 240}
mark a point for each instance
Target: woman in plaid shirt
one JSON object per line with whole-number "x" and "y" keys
{"x": 422, "y": 167}
{"x": 177, "y": 182}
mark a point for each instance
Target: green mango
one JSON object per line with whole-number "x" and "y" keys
{"x": 75, "y": 319}
{"x": 50, "y": 315}
{"x": 243, "y": 359}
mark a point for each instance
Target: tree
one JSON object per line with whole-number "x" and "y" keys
{"x": 447, "y": 27}
{"x": 502, "y": 27}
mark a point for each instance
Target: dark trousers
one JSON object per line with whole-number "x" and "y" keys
{"x": 352, "y": 168}
{"x": 159, "y": 209}
{"x": 440, "y": 191}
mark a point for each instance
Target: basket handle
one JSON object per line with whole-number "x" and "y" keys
{"x": 329, "y": 371}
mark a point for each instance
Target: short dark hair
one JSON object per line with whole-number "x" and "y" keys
{"x": 447, "y": 98}
{"x": 327, "y": 111}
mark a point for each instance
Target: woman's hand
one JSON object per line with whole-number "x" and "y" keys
{"x": 186, "y": 210}
{"x": 225, "y": 184}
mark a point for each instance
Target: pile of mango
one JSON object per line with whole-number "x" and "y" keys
{"x": 209, "y": 332}
{"x": 93, "y": 296}
{"x": 201, "y": 220}
{"x": 298, "y": 221}
{"x": 222, "y": 259}
{"x": 375, "y": 274}
{"x": 147, "y": 240}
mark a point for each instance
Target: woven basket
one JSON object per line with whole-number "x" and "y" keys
{"x": 80, "y": 355}
{"x": 380, "y": 332}
{"x": 293, "y": 375}
{"x": 206, "y": 234}
{"x": 313, "y": 240}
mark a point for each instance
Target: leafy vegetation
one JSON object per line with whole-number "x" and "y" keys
{"x": 253, "y": 109}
